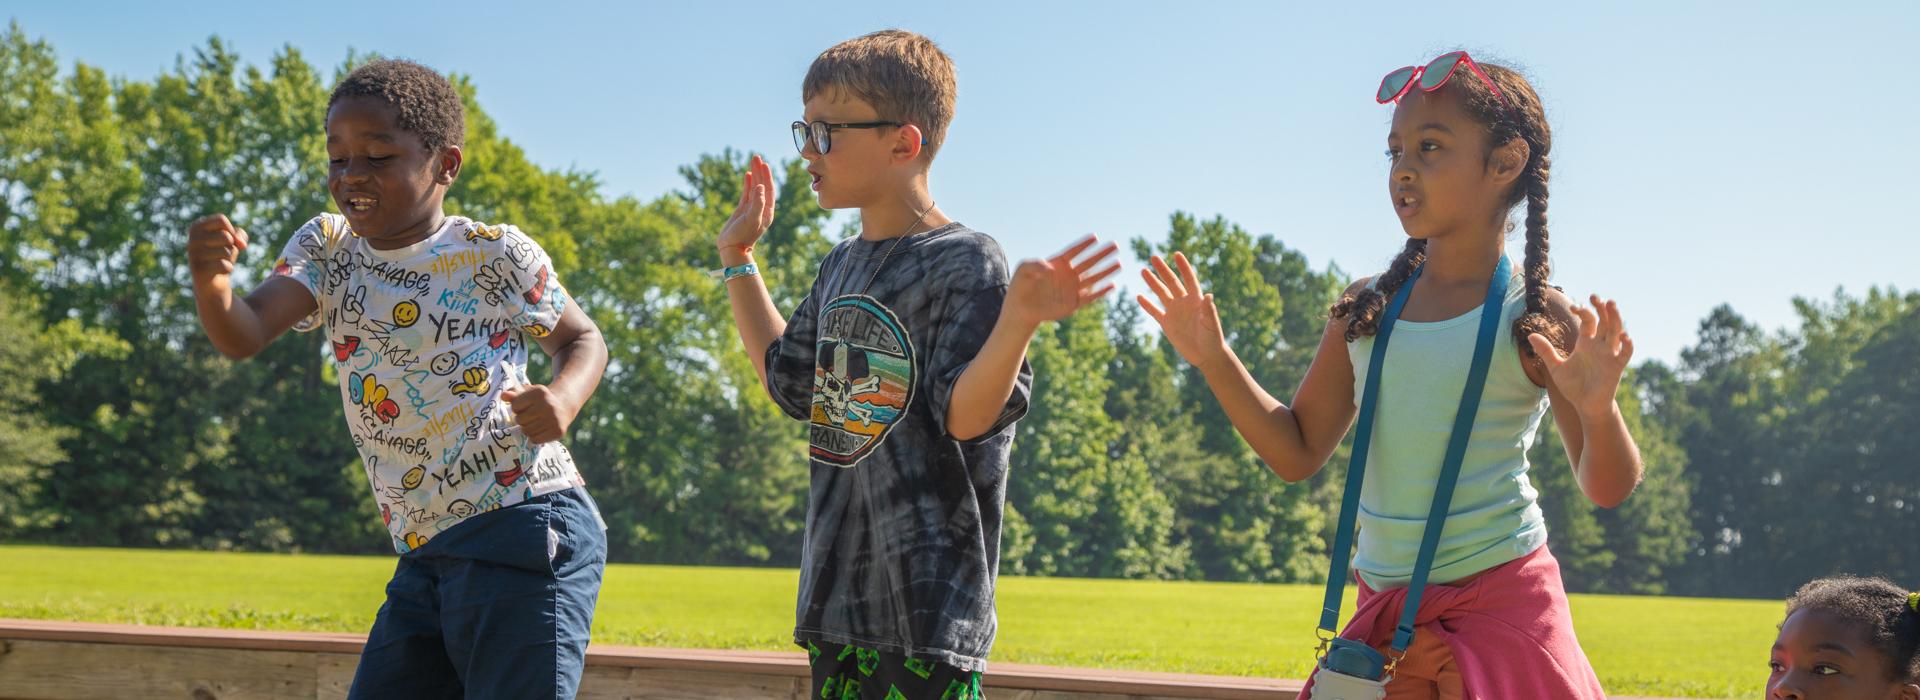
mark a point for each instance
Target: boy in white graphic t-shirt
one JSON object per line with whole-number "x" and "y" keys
{"x": 427, "y": 317}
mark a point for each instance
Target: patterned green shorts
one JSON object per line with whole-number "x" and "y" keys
{"x": 845, "y": 672}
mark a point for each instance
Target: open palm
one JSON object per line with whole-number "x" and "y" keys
{"x": 1590, "y": 376}
{"x": 754, "y": 212}
{"x": 1187, "y": 316}
{"x": 1052, "y": 289}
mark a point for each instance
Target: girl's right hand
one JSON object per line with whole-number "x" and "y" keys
{"x": 751, "y": 216}
{"x": 1189, "y": 320}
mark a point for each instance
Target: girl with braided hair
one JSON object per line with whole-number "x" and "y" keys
{"x": 1469, "y": 143}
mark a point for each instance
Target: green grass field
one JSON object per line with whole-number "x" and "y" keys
{"x": 1679, "y": 647}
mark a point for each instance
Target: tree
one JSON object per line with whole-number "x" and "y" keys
{"x": 1088, "y": 508}
{"x": 1630, "y": 549}
{"x": 1244, "y": 523}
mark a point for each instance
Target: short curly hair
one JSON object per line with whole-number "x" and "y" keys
{"x": 1886, "y": 613}
{"x": 423, "y": 101}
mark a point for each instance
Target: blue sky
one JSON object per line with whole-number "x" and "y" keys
{"x": 1704, "y": 154}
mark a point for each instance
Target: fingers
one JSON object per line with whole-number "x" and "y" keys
{"x": 1545, "y": 350}
{"x": 216, "y": 231}
{"x": 1096, "y": 258}
{"x": 211, "y": 222}
{"x": 1618, "y": 327}
{"x": 228, "y": 233}
{"x": 214, "y": 245}
{"x": 1612, "y": 331}
{"x": 537, "y": 418}
{"x": 1087, "y": 297}
{"x": 539, "y": 430}
{"x": 1153, "y": 312}
{"x": 213, "y": 242}
{"x": 749, "y": 182}
{"x": 1187, "y": 276}
{"x": 1067, "y": 256}
{"x": 770, "y": 194}
{"x": 1167, "y": 276}
{"x": 1087, "y": 280}
{"x": 216, "y": 266}
{"x": 1589, "y": 323}
{"x": 756, "y": 184}
{"x": 1605, "y": 315}
{"x": 1158, "y": 288}
{"x": 760, "y": 206}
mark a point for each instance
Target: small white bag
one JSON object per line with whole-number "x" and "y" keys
{"x": 1329, "y": 684}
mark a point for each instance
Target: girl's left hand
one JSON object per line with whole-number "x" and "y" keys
{"x": 1590, "y": 377}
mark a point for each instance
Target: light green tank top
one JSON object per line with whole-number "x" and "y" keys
{"x": 1494, "y": 517}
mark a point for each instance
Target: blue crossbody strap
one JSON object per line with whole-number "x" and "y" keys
{"x": 1490, "y": 316}
{"x": 1356, "y": 463}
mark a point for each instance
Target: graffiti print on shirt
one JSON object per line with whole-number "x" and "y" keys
{"x": 862, "y": 381}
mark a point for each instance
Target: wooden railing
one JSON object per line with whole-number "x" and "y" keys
{"x": 42, "y": 660}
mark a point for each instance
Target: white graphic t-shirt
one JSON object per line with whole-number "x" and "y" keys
{"x": 424, "y": 339}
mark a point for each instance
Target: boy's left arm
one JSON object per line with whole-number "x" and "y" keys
{"x": 1582, "y": 386}
{"x": 1041, "y": 291}
{"x": 540, "y": 306}
{"x": 579, "y": 354}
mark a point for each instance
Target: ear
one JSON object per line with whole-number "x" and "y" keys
{"x": 1910, "y": 691}
{"x": 908, "y": 142}
{"x": 1509, "y": 160}
{"x": 448, "y": 166}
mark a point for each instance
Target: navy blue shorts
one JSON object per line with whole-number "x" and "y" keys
{"x": 497, "y": 606}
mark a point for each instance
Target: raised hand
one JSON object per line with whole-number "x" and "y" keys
{"x": 213, "y": 248}
{"x": 1052, "y": 289}
{"x": 1186, "y": 316}
{"x": 752, "y": 215}
{"x": 1590, "y": 376}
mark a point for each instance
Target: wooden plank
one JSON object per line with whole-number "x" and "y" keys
{"x": 104, "y": 633}
{"x": 71, "y": 661}
{"x": 40, "y": 670}
{"x": 244, "y": 663}
{"x": 333, "y": 675}
{"x": 614, "y": 683}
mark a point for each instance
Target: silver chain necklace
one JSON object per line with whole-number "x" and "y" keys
{"x": 896, "y": 244}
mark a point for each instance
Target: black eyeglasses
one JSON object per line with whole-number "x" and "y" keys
{"x": 821, "y": 133}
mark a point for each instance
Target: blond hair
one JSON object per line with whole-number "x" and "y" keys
{"x": 905, "y": 76}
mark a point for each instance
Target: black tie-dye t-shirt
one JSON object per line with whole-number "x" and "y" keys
{"x": 903, "y": 521}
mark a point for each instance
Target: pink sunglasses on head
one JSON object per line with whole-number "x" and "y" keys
{"x": 1431, "y": 76}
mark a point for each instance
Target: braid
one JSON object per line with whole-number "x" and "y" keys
{"x": 1521, "y": 116}
{"x": 1537, "y": 269}
{"x": 1362, "y": 308}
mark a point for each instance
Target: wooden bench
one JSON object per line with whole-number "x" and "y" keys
{"x": 42, "y": 660}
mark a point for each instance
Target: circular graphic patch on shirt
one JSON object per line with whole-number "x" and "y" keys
{"x": 862, "y": 379}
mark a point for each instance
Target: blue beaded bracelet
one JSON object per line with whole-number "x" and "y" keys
{"x": 732, "y": 273}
